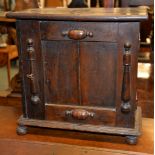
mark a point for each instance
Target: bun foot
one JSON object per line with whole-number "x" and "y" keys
{"x": 21, "y": 130}
{"x": 131, "y": 140}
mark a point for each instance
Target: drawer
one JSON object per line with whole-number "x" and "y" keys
{"x": 83, "y": 31}
{"x": 80, "y": 114}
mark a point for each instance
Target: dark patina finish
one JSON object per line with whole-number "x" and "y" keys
{"x": 79, "y": 69}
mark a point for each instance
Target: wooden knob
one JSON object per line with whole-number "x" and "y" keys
{"x": 79, "y": 114}
{"x": 77, "y": 34}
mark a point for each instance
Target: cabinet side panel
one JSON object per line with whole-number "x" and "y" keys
{"x": 30, "y": 30}
{"x": 19, "y": 45}
{"x": 128, "y": 33}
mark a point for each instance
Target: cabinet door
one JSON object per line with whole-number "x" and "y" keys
{"x": 75, "y": 81}
{"x": 80, "y": 73}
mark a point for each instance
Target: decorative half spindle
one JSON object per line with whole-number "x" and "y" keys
{"x": 33, "y": 85}
{"x": 125, "y": 96}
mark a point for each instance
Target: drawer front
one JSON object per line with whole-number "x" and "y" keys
{"x": 85, "y": 31}
{"x": 80, "y": 114}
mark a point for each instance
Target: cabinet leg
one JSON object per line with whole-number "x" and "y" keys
{"x": 131, "y": 140}
{"x": 21, "y": 130}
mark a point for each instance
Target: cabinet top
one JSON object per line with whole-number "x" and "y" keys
{"x": 82, "y": 14}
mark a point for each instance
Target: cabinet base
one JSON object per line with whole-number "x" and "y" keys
{"x": 130, "y": 133}
{"x": 21, "y": 130}
{"x": 132, "y": 140}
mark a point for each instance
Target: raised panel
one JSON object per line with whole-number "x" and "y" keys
{"x": 61, "y": 72}
{"x": 98, "y": 70}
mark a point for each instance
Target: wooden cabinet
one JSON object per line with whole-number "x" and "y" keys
{"x": 79, "y": 69}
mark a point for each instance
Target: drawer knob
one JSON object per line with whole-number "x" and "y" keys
{"x": 77, "y": 34}
{"x": 79, "y": 114}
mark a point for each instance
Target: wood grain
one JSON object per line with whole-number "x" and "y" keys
{"x": 97, "y": 89}
{"x": 28, "y": 148}
{"x": 57, "y": 112}
{"x": 85, "y": 71}
{"x": 127, "y": 3}
{"x": 115, "y": 144}
{"x": 61, "y": 72}
{"x": 136, "y": 131}
{"x": 52, "y": 30}
{"x": 82, "y": 14}
{"x": 30, "y": 110}
{"x": 126, "y": 33}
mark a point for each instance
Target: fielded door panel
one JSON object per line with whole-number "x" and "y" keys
{"x": 98, "y": 63}
{"x": 61, "y": 72}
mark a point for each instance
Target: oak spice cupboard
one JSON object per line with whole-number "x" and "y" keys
{"x": 79, "y": 69}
